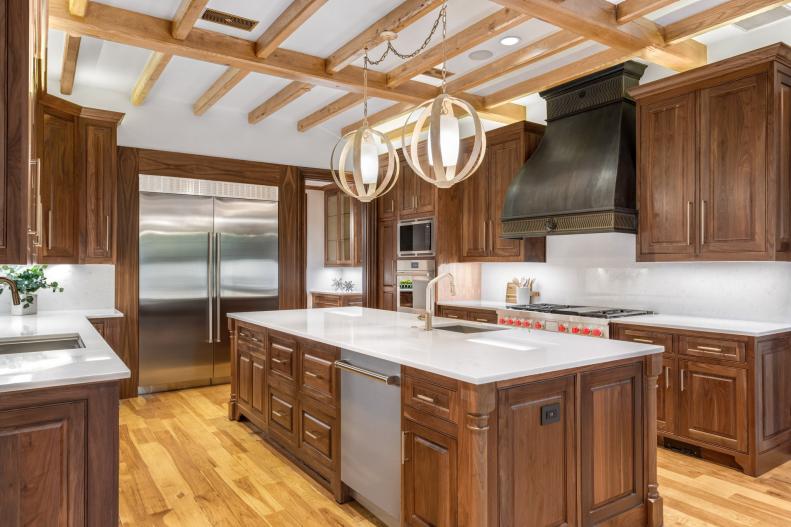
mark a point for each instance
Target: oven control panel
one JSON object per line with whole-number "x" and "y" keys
{"x": 557, "y": 323}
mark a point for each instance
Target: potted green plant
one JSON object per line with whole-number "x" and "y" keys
{"x": 29, "y": 280}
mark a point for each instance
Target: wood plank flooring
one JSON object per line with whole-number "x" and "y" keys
{"x": 184, "y": 464}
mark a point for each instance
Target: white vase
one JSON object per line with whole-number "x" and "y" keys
{"x": 28, "y": 304}
{"x": 523, "y": 295}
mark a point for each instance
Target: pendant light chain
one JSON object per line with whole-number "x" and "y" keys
{"x": 441, "y": 17}
{"x": 444, "y": 15}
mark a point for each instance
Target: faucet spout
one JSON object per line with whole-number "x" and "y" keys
{"x": 430, "y": 288}
{"x": 14, "y": 291}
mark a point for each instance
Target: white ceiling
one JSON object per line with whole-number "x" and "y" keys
{"x": 114, "y": 67}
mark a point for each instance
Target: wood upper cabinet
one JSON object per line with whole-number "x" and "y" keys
{"x": 342, "y": 229}
{"x": 483, "y": 193}
{"x": 416, "y": 196}
{"x": 99, "y": 188}
{"x": 428, "y": 477}
{"x": 714, "y": 171}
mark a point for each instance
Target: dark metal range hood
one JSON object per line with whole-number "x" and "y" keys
{"x": 581, "y": 179}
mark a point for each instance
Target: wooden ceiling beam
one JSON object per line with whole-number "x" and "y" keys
{"x": 629, "y": 10}
{"x": 456, "y": 44}
{"x": 402, "y": 16}
{"x": 225, "y": 83}
{"x": 71, "y": 52}
{"x": 78, "y": 7}
{"x": 388, "y": 114}
{"x": 151, "y": 72}
{"x": 144, "y": 31}
{"x": 285, "y": 25}
{"x": 188, "y": 13}
{"x": 334, "y": 108}
{"x": 596, "y": 20}
{"x": 717, "y": 16}
{"x": 290, "y": 93}
{"x": 557, "y": 76}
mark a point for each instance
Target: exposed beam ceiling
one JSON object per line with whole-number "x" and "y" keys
{"x": 557, "y": 76}
{"x": 230, "y": 78}
{"x": 288, "y": 94}
{"x": 71, "y": 51}
{"x": 388, "y": 114}
{"x": 396, "y": 20}
{"x": 285, "y": 25}
{"x": 629, "y": 10}
{"x": 328, "y": 112}
{"x": 153, "y": 69}
{"x": 188, "y": 13}
{"x": 469, "y": 37}
{"x": 595, "y": 19}
{"x": 78, "y": 7}
{"x": 717, "y": 16}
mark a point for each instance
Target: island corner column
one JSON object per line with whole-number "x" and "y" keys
{"x": 477, "y": 465}
{"x": 654, "y": 505}
{"x": 233, "y": 410}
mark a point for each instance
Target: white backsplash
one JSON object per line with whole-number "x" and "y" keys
{"x": 84, "y": 287}
{"x": 600, "y": 269}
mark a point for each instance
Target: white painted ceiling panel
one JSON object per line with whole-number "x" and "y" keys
{"x": 158, "y": 8}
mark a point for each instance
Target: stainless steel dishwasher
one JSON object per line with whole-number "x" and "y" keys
{"x": 371, "y": 433}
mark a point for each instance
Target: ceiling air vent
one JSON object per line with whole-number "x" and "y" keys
{"x": 227, "y": 19}
{"x": 764, "y": 19}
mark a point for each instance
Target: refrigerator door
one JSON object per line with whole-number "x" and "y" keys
{"x": 175, "y": 278}
{"x": 246, "y": 268}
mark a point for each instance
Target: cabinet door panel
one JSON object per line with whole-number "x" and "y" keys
{"x": 100, "y": 175}
{"x": 42, "y": 455}
{"x": 386, "y": 241}
{"x": 258, "y": 383}
{"x": 713, "y": 404}
{"x": 475, "y": 214}
{"x": 665, "y": 396}
{"x": 407, "y": 190}
{"x": 505, "y": 160}
{"x": 59, "y": 188}
{"x": 245, "y": 377}
{"x": 666, "y": 180}
{"x": 733, "y": 170}
{"x": 536, "y": 460}
{"x": 429, "y": 477}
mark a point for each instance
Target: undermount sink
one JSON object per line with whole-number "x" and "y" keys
{"x": 464, "y": 328}
{"x": 47, "y": 343}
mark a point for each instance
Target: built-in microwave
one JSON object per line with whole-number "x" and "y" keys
{"x": 416, "y": 237}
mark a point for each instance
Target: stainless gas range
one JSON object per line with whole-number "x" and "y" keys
{"x": 562, "y": 318}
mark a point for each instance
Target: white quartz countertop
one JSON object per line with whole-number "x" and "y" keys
{"x": 474, "y": 304}
{"x": 477, "y": 358}
{"x": 718, "y": 325}
{"x": 95, "y": 362}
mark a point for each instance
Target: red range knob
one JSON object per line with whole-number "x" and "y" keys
{"x": 575, "y": 330}
{"x": 526, "y": 324}
{"x": 502, "y": 321}
{"x": 597, "y": 333}
{"x": 561, "y": 328}
{"x": 586, "y": 331}
{"x": 537, "y": 325}
{"x": 511, "y": 321}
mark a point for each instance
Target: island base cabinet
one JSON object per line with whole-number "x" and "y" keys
{"x": 428, "y": 477}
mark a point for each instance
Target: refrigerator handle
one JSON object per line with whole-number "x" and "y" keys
{"x": 217, "y": 286}
{"x": 210, "y": 284}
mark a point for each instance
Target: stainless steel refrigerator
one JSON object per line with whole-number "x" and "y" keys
{"x": 204, "y": 251}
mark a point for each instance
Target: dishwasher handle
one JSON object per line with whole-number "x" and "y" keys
{"x": 391, "y": 380}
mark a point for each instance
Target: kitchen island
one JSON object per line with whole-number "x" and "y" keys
{"x": 508, "y": 427}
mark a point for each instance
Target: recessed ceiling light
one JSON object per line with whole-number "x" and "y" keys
{"x": 481, "y": 54}
{"x": 510, "y": 41}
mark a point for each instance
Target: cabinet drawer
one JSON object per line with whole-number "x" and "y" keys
{"x": 317, "y": 435}
{"x": 433, "y": 399}
{"x": 647, "y": 337}
{"x": 450, "y": 312}
{"x": 250, "y": 339}
{"x": 713, "y": 348}
{"x": 483, "y": 315}
{"x": 281, "y": 415}
{"x": 282, "y": 354}
{"x": 318, "y": 371}
{"x": 326, "y": 300}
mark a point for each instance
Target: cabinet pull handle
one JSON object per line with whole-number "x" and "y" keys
{"x": 107, "y": 233}
{"x": 644, "y": 341}
{"x": 34, "y": 230}
{"x": 311, "y": 374}
{"x": 311, "y": 434}
{"x": 702, "y": 221}
{"x": 49, "y": 230}
{"x": 481, "y": 320}
{"x": 425, "y": 398}
{"x": 281, "y": 347}
{"x": 403, "y": 447}
{"x": 278, "y": 361}
{"x": 279, "y": 414}
{"x": 683, "y": 371}
{"x": 452, "y": 316}
{"x": 709, "y": 348}
{"x": 667, "y": 377}
{"x": 689, "y": 223}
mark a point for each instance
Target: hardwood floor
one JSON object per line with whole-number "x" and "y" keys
{"x": 184, "y": 464}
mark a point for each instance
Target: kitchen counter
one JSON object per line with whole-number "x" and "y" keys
{"x": 45, "y": 369}
{"x": 717, "y": 325}
{"x": 476, "y": 358}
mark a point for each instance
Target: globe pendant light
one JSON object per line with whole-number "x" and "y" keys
{"x": 444, "y": 168}
{"x": 359, "y": 172}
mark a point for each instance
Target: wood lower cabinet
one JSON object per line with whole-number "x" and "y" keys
{"x": 721, "y": 394}
{"x": 59, "y": 456}
{"x": 321, "y": 299}
{"x": 713, "y": 167}
{"x": 488, "y": 316}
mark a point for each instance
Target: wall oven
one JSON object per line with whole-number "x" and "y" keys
{"x": 412, "y": 277}
{"x": 416, "y": 237}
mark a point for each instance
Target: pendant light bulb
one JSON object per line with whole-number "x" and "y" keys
{"x": 449, "y": 141}
{"x": 369, "y": 160}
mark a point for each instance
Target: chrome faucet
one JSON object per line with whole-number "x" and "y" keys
{"x": 430, "y": 287}
{"x": 14, "y": 291}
